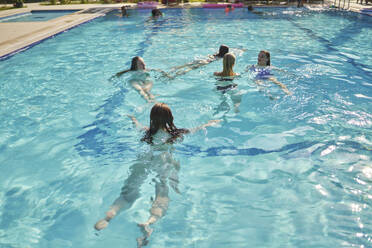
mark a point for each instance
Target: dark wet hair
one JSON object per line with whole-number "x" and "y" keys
{"x": 156, "y": 12}
{"x": 123, "y": 10}
{"x": 223, "y": 50}
{"x": 134, "y": 65}
{"x": 161, "y": 118}
{"x": 267, "y": 53}
{"x": 250, "y": 8}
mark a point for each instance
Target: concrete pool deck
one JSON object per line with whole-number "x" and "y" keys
{"x": 16, "y": 36}
{"x": 19, "y": 35}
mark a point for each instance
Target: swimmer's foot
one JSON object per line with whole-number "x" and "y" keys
{"x": 145, "y": 229}
{"x": 102, "y": 224}
{"x": 142, "y": 241}
{"x": 151, "y": 96}
{"x": 273, "y": 98}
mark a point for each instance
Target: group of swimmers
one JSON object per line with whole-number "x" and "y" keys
{"x": 162, "y": 129}
{"x": 157, "y": 13}
{"x": 262, "y": 70}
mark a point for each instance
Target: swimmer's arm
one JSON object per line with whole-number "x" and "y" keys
{"x": 278, "y": 69}
{"x": 164, "y": 73}
{"x": 199, "y": 63}
{"x": 281, "y": 85}
{"x": 249, "y": 67}
{"x": 209, "y": 123}
{"x": 121, "y": 73}
{"x": 238, "y": 50}
{"x": 137, "y": 124}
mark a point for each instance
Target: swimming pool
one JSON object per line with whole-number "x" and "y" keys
{"x": 37, "y": 16}
{"x": 279, "y": 171}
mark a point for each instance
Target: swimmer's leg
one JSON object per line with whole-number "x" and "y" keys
{"x": 111, "y": 213}
{"x": 142, "y": 91}
{"x": 236, "y": 98}
{"x": 129, "y": 194}
{"x": 147, "y": 88}
{"x": 158, "y": 210}
{"x": 261, "y": 89}
{"x": 180, "y": 67}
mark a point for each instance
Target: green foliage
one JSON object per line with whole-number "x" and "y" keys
{"x": 5, "y": 8}
{"x": 18, "y": 4}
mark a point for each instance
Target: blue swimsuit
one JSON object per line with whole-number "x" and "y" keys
{"x": 261, "y": 72}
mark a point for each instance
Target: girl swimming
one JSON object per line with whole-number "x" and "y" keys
{"x": 262, "y": 71}
{"x": 140, "y": 81}
{"x": 159, "y": 159}
{"x": 228, "y": 64}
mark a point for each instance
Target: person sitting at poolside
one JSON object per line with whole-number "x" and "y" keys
{"x": 263, "y": 71}
{"x": 156, "y": 13}
{"x": 161, "y": 131}
{"x": 228, "y": 64}
{"x": 140, "y": 81}
{"x": 176, "y": 71}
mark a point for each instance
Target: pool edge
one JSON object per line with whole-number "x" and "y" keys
{"x": 49, "y": 34}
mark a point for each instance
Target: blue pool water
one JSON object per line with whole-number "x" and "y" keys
{"x": 37, "y": 16}
{"x": 278, "y": 171}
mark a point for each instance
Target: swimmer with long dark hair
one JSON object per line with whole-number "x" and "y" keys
{"x": 162, "y": 131}
{"x": 161, "y": 119}
{"x": 262, "y": 71}
{"x": 156, "y": 13}
{"x": 140, "y": 81}
{"x": 137, "y": 64}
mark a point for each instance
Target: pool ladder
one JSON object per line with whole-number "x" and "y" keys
{"x": 344, "y": 3}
